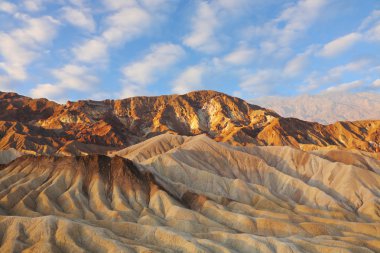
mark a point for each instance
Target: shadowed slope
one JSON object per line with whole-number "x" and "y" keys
{"x": 14, "y": 107}
{"x": 6, "y": 156}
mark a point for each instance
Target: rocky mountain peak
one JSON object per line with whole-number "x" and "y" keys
{"x": 89, "y": 126}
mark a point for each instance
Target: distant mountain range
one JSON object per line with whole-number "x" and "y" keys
{"x": 40, "y": 126}
{"x": 325, "y": 108}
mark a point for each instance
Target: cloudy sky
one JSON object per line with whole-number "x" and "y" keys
{"x": 77, "y": 49}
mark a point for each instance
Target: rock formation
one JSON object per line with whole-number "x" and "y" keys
{"x": 38, "y": 126}
{"x": 174, "y": 193}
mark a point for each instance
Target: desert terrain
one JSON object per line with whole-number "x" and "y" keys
{"x": 201, "y": 172}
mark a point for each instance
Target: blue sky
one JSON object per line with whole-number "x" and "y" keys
{"x": 77, "y": 49}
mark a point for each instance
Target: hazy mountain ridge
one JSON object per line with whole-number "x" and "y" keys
{"x": 174, "y": 193}
{"x": 326, "y": 108}
{"x": 44, "y": 127}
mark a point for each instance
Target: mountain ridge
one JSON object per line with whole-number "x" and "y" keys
{"x": 325, "y": 108}
{"x": 40, "y": 126}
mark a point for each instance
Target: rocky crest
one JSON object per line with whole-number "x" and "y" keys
{"x": 84, "y": 127}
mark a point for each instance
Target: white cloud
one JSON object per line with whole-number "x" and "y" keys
{"x": 344, "y": 87}
{"x": 37, "y": 30}
{"x": 78, "y": 3}
{"x": 33, "y": 5}
{"x": 5, "y": 84}
{"x": 277, "y": 36}
{"x": 15, "y": 57}
{"x": 368, "y": 22}
{"x": 310, "y": 85}
{"x": 75, "y": 77}
{"x": 370, "y": 26}
{"x": 333, "y": 75}
{"x": 376, "y": 83}
{"x": 117, "y": 4}
{"x": 69, "y": 77}
{"x": 268, "y": 47}
{"x": 280, "y": 32}
{"x": 295, "y": 65}
{"x": 298, "y": 18}
{"x": 358, "y": 65}
{"x": 141, "y": 73}
{"x": 127, "y": 23}
{"x": 260, "y": 82}
{"x": 340, "y": 45}
{"x": 21, "y": 46}
{"x": 150, "y": 5}
{"x": 46, "y": 91}
{"x": 234, "y": 5}
{"x": 204, "y": 25}
{"x": 93, "y": 50}
{"x": 161, "y": 57}
{"x": 128, "y": 20}
{"x": 373, "y": 34}
{"x": 79, "y": 18}
{"x": 298, "y": 63}
{"x": 8, "y": 7}
{"x": 205, "y": 35}
{"x": 189, "y": 80}
{"x": 375, "y": 69}
{"x": 240, "y": 56}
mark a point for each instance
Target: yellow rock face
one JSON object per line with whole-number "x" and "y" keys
{"x": 191, "y": 194}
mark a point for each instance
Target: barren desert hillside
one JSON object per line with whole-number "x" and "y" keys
{"x": 204, "y": 126}
{"x": 174, "y": 193}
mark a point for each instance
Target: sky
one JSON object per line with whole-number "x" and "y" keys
{"x": 77, "y": 49}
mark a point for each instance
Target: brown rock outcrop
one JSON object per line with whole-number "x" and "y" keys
{"x": 41, "y": 126}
